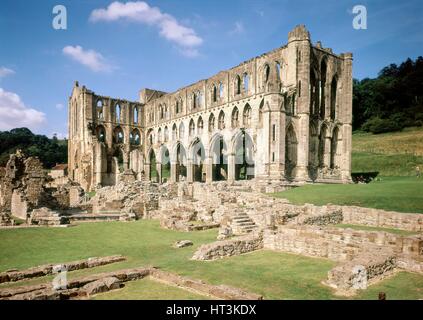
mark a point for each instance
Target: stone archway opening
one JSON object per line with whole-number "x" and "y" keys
{"x": 198, "y": 157}
{"x": 244, "y": 157}
{"x": 181, "y": 163}
{"x": 291, "y": 144}
{"x": 220, "y": 160}
{"x": 165, "y": 165}
{"x": 154, "y": 175}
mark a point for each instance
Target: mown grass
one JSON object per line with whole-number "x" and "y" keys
{"x": 147, "y": 289}
{"x": 403, "y": 194}
{"x": 272, "y": 274}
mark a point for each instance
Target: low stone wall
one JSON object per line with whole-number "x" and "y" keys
{"x": 361, "y": 272}
{"x": 382, "y": 218}
{"x": 83, "y": 288}
{"x": 46, "y": 217}
{"x": 198, "y": 286}
{"x": 80, "y": 288}
{"x": 227, "y": 248}
{"x": 338, "y": 244}
{"x": 48, "y": 269}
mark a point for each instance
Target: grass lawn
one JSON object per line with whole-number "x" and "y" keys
{"x": 147, "y": 289}
{"x": 403, "y": 194}
{"x": 367, "y": 228}
{"x": 274, "y": 275}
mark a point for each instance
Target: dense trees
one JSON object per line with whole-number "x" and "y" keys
{"x": 50, "y": 151}
{"x": 391, "y": 101}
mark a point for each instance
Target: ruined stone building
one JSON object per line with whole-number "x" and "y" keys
{"x": 284, "y": 116}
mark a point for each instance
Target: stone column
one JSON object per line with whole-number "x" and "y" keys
{"x": 209, "y": 169}
{"x": 147, "y": 171}
{"x": 159, "y": 172}
{"x": 190, "y": 171}
{"x": 231, "y": 167}
{"x": 173, "y": 169}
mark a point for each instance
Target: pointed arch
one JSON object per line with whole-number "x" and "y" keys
{"x": 166, "y": 134}
{"x": 118, "y": 112}
{"x": 200, "y": 126}
{"x": 135, "y": 114}
{"x": 235, "y": 118}
{"x": 181, "y": 131}
{"x": 291, "y": 146}
{"x": 260, "y": 115}
{"x": 246, "y": 82}
{"x": 221, "y": 120}
{"x": 246, "y": 116}
{"x": 211, "y": 123}
{"x": 198, "y": 156}
{"x": 118, "y": 136}
{"x": 218, "y": 152}
{"x": 99, "y": 108}
{"x": 237, "y": 84}
{"x": 334, "y": 152}
{"x": 181, "y": 162}
{"x": 152, "y": 162}
{"x": 164, "y": 164}
{"x": 174, "y": 132}
{"x": 243, "y": 148}
{"x": 101, "y": 133}
{"x": 191, "y": 131}
{"x": 135, "y": 137}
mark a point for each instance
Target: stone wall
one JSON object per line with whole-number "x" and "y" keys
{"x": 339, "y": 244}
{"x": 227, "y": 248}
{"x": 382, "y": 218}
{"x": 361, "y": 272}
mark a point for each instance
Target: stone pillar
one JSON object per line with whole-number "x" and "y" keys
{"x": 346, "y": 118}
{"x": 209, "y": 169}
{"x": 173, "y": 169}
{"x": 190, "y": 171}
{"x": 231, "y": 167}
{"x": 147, "y": 171}
{"x": 159, "y": 172}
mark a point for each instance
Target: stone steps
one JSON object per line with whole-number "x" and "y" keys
{"x": 242, "y": 224}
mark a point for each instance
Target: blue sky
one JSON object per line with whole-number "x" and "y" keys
{"x": 167, "y": 44}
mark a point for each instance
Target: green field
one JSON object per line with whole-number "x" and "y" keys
{"x": 403, "y": 194}
{"x": 390, "y": 154}
{"x": 272, "y": 274}
{"x": 395, "y": 156}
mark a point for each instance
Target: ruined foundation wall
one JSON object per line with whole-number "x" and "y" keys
{"x": 339, "y": 244}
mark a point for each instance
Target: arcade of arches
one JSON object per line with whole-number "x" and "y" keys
{"x": 281, "y": 117}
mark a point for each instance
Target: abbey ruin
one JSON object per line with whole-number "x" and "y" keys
{"x": 204, "y": 157}
{"x": 282, "y": 117}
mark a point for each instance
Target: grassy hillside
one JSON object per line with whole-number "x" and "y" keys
{"x": 391, "y": 154}
{"x": 395, "y": 156}
{"x": 403, "y": 194}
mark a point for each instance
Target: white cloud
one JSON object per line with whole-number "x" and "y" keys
{"x": 15, "y": 114}
{"x": 59, "y": 106}
{"x": 89, "y": 58}
{"x": 141, "y": 12}
{"x": 4, "y": 72}
{"x": 238, "y": 28}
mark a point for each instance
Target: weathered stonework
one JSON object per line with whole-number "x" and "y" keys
{"x": 227, "y": 248}
{"x": 283, "y": 117}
